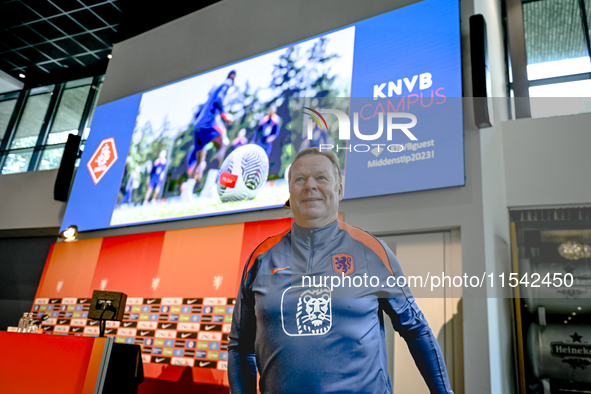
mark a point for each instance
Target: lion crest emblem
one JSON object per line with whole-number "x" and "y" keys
{"x": 343, "y": 264}
{"x": 314, "y": 312}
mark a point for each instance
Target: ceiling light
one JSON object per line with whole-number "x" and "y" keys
{"x": 70, "y": 233}
{"x": 21, "y": 75}
{"x": 110, "y": 56}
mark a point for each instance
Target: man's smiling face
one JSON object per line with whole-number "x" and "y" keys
{"x": 314, "y": 191}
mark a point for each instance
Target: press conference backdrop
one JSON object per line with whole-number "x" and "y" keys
{"x": 180, "y": 291}
{"x": 136, "y": 164}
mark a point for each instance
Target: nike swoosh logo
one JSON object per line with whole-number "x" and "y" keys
{"x": 166, "y": 325}
{"x": 185, "y": 335}
{"x": 159, "y": 360}
{"x": 279, "y": 269}
{"x": 207, "y": 328}
{"x": 203, "y": 364}
{"x": 127, "y": 324}
{"x": 150, "y": 301}
{"x": 142, "y": 333}
{"x": 191, "y": 301}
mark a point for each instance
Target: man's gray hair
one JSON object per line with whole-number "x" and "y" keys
{"x": 328, "y": 154}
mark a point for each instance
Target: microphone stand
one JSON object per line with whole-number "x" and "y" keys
{"x": 108, "y": 305}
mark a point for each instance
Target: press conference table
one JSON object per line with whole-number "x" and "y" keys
{"x": 59, "y": 364}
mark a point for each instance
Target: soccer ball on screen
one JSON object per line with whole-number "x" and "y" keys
{"x": 243, "y": 173}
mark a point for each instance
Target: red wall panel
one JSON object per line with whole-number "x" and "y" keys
{"x": 128, "y": 264}
{"x": 200, "y": 262}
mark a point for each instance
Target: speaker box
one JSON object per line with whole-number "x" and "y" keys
{"x": 481, "y": 83}
{"x": 107, "y": 305}
{"x": 66, "y": 170}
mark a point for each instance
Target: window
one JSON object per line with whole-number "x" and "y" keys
{"x": 46, "y": 116}
{"x": 90, "y": 116}
{"x": 33, "y": 118}
{"x": 558, "y": 62}
{"x": 89, "y": 121}
{"x": 52, "y": 157}
{"x": 17, "y": 161}
{"x": 6, "y": 108}
{"x": 69, "y": 114}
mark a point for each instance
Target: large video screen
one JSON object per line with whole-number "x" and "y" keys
{"x": 222, "y": 141}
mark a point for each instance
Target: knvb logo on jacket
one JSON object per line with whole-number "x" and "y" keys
{"x": 306, "y": 311}
{"x": 343, "y": 264}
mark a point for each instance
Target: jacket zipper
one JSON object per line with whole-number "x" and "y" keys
{"x": 311, "y": 235}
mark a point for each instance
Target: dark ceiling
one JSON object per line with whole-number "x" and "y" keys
{"x": 52, "y": 41}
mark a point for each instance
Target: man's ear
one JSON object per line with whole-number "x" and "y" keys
{"x": 341, "y": 192}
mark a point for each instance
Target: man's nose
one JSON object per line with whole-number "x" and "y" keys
{"x": 310, "y": 184}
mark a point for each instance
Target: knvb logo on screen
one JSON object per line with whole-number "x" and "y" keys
{"x": 102, "y": 159}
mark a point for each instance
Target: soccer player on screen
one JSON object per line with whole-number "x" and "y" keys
{"x": 132, "y": 183}
{"x": 206, "y": 129}
{"x": 156, "y": 177}
{"x": 240, "y": 139}
{"x": 268, "y": 130}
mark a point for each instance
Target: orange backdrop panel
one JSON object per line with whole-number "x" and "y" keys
{"x": 69, "y": 269}
{"x": 200, "y": 262}
{"x": 129, "y": 264}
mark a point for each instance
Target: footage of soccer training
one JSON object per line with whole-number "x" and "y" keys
{"x": 222, "y": 141}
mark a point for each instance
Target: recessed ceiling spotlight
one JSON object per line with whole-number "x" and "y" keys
{"x": 110, "y": 56}
{"x": 70, "y": 233}
{"x": 21, "y": 75}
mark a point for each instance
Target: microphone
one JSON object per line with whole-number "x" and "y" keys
{"x": 107, "y": 306}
